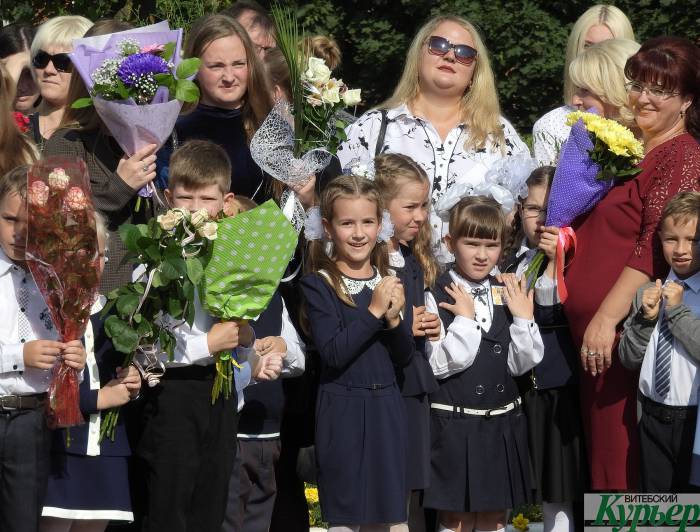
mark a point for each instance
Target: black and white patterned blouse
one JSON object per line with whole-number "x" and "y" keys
{"x": 549, "y": 134}
{"x": 446, "y": 163}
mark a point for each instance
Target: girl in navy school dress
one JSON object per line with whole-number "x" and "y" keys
{"x": 404, "y": 187}
{"x": 480, "y": 463}
{"x": 88, "y": 483}
{"x": 354, "y": 313}
{"x": 549, "y": 390}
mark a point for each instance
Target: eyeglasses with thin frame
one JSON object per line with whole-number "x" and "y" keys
{"x": 533, "y": 211}
{"x": 653, "y": 93}
{"x": 61, "y": 62}
{"x": 464, "y": 54}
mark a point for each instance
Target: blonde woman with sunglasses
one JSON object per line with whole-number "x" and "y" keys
{"x": 444, "y": 114}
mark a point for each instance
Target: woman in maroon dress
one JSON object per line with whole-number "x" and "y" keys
{"x": 618, "y": 249}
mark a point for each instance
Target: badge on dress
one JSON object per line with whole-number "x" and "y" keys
{"x": 497, "y": 294}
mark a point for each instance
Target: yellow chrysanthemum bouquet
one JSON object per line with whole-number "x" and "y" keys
{"x": 615, "y": 149}
{"x": 598, "y": 152}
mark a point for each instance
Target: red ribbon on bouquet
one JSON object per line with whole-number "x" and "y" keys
{"x": 565, "y": 242}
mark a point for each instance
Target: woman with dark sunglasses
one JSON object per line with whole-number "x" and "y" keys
{"x": 444, "y": 113}
{"x": 52, "y": 71}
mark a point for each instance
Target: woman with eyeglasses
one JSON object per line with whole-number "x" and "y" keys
{"x": 444, "y": 114}
{"x": 599, "y": 23}
{"x": 618, "y": 249}
{"x": 52, "y": 72}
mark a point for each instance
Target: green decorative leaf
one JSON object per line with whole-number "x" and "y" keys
{"x": 174, "y": 307}
{"x": 168, "y": 51}
{"x": 124, "y": 338}
{"x": 130, "y": 234}
{"x": 186, "y": 91}
{"x": 194, "y": 270}
{"x": 127, "y": 304}
{"x": 168, "y": 271}
{"x": 157, "y": 280}
{"x": 187, "y": 68}
{"x": 81, "y": 103}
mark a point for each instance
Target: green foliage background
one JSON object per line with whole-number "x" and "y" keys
{"x": 526, "y": 38}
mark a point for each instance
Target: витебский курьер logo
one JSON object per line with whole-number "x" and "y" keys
{"x": 632, "y": 512}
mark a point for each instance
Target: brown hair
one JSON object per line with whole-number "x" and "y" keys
{"x": 346, "y": 186}
{"x": 16, "y": 148}
{"x": 392, "y": 170}
{"x": 87, "y": 118}
{"x": 200, "y": 163}
{"x": 14, "y": 182}
{"x": 684, "y": 205}
{"x": 674, "y": 64}
{"x": 278, "y": 71}
{"x": 478, "y": 217}
{"x": 324, "y": 48}
{"x": 541, "y": 176}
{"x": 257, "y": 101}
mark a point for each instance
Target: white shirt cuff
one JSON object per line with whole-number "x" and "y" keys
{"x": 12, "y": 358}
{"x": 546, "y": 293}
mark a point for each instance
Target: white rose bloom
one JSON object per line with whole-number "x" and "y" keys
{"x": 208, "y": 230}
{"x": 331, "y": 94}
{"x": 352, "y": 97}
{"x": 169, "y": 220}
{"x": 317, "y": 71}
{"x": 199, "y": 217}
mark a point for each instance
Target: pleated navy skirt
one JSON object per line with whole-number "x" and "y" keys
{"x": 88, "y": 487}
{"x": 478, "y": 464}
{"x": 361, "y": 455}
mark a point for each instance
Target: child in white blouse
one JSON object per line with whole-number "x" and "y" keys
{"x": 480, "y": 462}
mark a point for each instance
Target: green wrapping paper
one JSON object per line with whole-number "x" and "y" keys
{"x": 247, "y": 262}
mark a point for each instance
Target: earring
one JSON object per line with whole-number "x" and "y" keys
{"x": 682, "y": 113}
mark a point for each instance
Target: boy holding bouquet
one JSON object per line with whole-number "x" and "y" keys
{"x": 28, "y": 351}
{"x": 188, "y": 443}
{"x": 661, "y": 337}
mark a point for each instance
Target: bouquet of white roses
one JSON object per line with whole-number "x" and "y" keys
{"x": 297, "y": 138}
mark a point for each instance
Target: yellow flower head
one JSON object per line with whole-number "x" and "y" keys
{"x": 619, "y": 139}
{"x": 311, "y": 495}
{"x": 520, "y": 522}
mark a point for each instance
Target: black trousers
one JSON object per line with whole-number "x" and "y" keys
{"x": 25, "y": 443}
{"x": 666, "y": 435}
{"x": 187, "y": 448}
{"x": 252, "y": 490}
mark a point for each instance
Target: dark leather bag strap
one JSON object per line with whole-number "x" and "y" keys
{"x": 382, "y": 133}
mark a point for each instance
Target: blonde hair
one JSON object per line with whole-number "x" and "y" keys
{"x": 607, "y": 15}
{"x": 60, "y": 32}
{"x": 478, "y": 217}
{"x": 324, "y": 48}
{"x": 346, "y": 186}
{"x": 200, "y": 163}
{"x": 600, "y": 69}
{"x": 257, "y": 101}
{"x": 479, "y": 107}
{"x": 16, "y": 148}
{"x": 683, "y": 206}
{"x": 392, "y": 170}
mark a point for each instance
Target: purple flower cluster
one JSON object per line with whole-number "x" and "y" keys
{"x": 141, "y": 67}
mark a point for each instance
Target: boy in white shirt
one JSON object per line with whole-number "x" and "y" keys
{"x": 28, "y": 350}
{"x": 662, "y": 336}
{"x": 189, "y": 444}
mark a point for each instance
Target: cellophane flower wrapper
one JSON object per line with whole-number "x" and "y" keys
{"x": 63, "y": 257}
{"x": 272, "y": 148}
{"x": 246, "y": 263}
{"x": 133, "y": 126}
{"x": 575, "y": 189}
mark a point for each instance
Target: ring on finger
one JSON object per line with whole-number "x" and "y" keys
{"x": 592, "y": 354}
{"x": 145, "y": 167}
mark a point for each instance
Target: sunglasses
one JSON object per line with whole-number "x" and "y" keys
{"x": 61, "y": 62}
{"x": 464, "y": 53}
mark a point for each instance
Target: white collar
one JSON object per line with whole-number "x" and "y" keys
{"x": 402, "y": 111}
{"x": 486, "y": 283}
{"x": 5, "y": 263}
{"x": 98, "y": 304}
{"x": 396, "y": 259}
{"x": 524, "y": 248}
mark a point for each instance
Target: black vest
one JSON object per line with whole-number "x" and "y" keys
{"x": 487, "y": 383}
{"x": 264, "y": 401}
